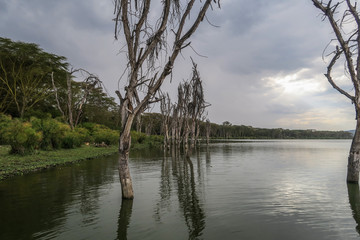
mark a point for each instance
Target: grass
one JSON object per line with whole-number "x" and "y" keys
{"x": 11, "y": 165}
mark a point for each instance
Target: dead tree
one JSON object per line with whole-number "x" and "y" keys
{"x": 166, "y": 107}
{"x": 138, "y": 123}
{"x": 208, "y": 131}
{"x": 197, "y": 105}
{"x": 174, "y": 123}
{"x": 74, "y": 109}
{"x": 178, "y": 116}
{"x": 149, "y": 42}
{"x": 342, "y": 16}
{"x": 186, "y": 114}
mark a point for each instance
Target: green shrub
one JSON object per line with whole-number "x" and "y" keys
{"x": 71, "y": 139}
{"x": 53, "y": 132}
{"x": 84, "y": 134}
{"x": 89, "y": 126}
{"x": 137, "y": 137}
{"x": 22, "y": 137}
{"x": 5, "y": 122}
{"x": 102, "y": 134}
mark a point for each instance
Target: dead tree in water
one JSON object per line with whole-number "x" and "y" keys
{"x": 208, "y": 131}
{"x": 346, "y": 27}
{"x": 197, "y": 106}
{"x": 152, "y": 46}
{"x": 166, "y": 107}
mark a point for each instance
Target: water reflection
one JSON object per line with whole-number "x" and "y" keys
{"x": 124, "y": 219}
{"x": 354, "y": 199}
{"x": 180, "y": 176}
{"x": 38, "y": 206}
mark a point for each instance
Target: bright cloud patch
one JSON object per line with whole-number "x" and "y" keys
{"x": 298, "y": 83}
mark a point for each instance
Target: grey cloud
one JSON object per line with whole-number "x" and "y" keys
{"x": 256, "y": 40}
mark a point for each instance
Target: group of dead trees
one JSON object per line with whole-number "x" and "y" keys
{"x": 181, "y": 120}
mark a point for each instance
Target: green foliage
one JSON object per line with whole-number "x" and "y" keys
{"x": 137, "y": 137}
{"x": 22, "y": 137}
{"x": 102, "y": 134}
{"x": 71, "y": 139}
{"x": 25, "y": 76}
{"x": 5, "y": 122}
{"x": 141, "y": 140}
{"x": 84, "y": 134}
{"x": 240, "y": 131}
{"x": 52, "y": 130}
{"x": 11, "y": 165}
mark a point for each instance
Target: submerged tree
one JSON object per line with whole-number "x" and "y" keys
{"x": 344, "y": 19}
{"x": 152, "y": 44}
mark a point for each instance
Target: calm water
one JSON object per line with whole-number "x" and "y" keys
{"x": 234, "y": 190}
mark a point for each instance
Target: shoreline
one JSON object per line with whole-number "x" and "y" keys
{"x": 17, "y": 165}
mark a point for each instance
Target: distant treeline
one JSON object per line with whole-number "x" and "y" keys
{"x": 151, "y": 124}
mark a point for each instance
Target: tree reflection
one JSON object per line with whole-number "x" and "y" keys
{"x": 189, "y": 202}
{"x": 39, "y": 205}
{"x": 124, "y": 218}
{"x": 181, "y": 173}
{"x": 354, "y": 199}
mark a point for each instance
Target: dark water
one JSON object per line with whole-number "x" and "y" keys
{"x": 235, "y": 190}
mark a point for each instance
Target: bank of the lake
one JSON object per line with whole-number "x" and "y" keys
{"x": 13, "y": 164}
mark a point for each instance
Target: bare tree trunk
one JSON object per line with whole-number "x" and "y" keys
{"x": 354, "y": 156}
{"x": 124, "y": 149}
{"x": 193, "y": 131}
{"x": 138, "y": 123}
{"x": 148, "y": 128}
{"x": 69, "y": 100}
{"x": 197, "y": 131}
{"x": 208, "y": 130}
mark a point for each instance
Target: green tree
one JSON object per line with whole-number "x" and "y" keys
{"x": 25, "y": 75}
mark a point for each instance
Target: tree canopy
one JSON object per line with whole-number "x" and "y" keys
{"x": 35, "y": 83}
{"x": 25, "y": 71}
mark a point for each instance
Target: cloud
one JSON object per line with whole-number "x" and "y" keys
{"x": 263, "y": 65}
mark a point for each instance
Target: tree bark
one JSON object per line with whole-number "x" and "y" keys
{"x": 124, "y": 170}
{"x": 354, "y": 156}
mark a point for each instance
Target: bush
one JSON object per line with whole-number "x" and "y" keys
{"x": 84, "y": 134}
{"x": 71, "y": 139}
{"x": 53, "y": 132}
{"x": 137, "y": 137}
{"x": 5, "y": 122}
{"x": 89, "y": 126}
{"x": 102, "y": 134}
{"x": 22, "y": 137}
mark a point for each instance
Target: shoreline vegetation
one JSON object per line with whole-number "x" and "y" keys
{"x": 16, "y": 164}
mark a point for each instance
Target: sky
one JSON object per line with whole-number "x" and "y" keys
{"x": 260, "y": 61}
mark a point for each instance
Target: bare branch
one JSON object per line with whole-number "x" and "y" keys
{"x": 331, "y": 81}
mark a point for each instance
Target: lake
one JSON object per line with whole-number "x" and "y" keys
{"x": 273, "y": 189}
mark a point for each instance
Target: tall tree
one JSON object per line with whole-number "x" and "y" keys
{"x": 25, "y": 75}
{"x": 344, "y": 19}
{"x": 148, "y": 39}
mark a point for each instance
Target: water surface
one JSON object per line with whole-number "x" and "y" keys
{"x": 232, "y": 190}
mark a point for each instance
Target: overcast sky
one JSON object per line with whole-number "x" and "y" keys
{"x": 263, "y": 64}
